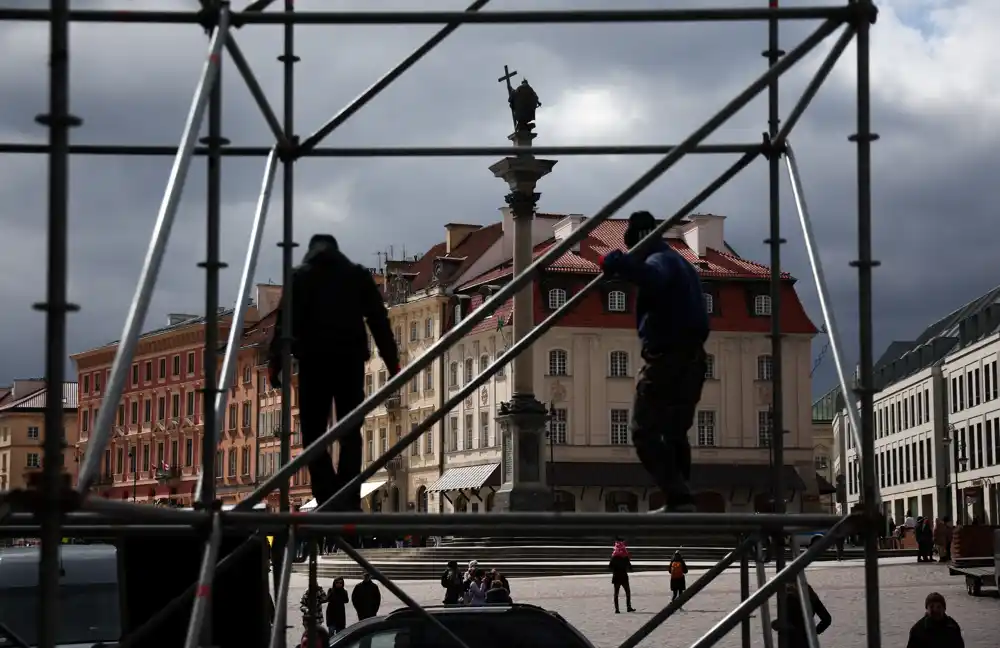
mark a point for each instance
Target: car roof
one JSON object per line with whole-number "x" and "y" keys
{"x": 494, "y": 608}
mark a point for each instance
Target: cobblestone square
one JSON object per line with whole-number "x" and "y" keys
{"x": 586, "y": 603}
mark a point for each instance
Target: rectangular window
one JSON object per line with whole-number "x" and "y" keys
{"x": 469, "y": 432}
{"x": 161, "y": 408}
{"x": 188, "y": 452}
{"x": 135, "y": 412}
{"x": 190, "y": 404}
{"x": 175, "y": 366}
{"x": 765, "y": 429}
{"x": 175, "y": 405}
{"x": 147, "y": 411}
{"x": 453, "y": 434}
{"x": 86, "y": 384}
{"x": 556, "y": 432}
{"x": 148, "y": 373}
{"x": 706, "y": 428}
{"x": 247, "y": 414}
{"x": 619, "y": 427}
{"x": 484, "y": 429}
{"x": 190, "y": 363}
{"x": 163, "y": 368}
{"x": 232, "y": 416}
{"x": 232, "y": 462}
{"x": 429, "y": 442}
{"x": 121, "y": 415}
{"x": 135, "y": 375}
{"x": 369, "y": 445}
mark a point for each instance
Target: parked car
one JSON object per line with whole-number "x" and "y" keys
{"x": 487, "y": 626}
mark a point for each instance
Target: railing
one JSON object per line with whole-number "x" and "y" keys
{"x": 168, "y": 474}
{"x": 394, "y": 402}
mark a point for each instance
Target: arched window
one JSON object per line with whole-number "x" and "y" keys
{"x": 762, "y": 305}
{"x": 709, "y": 303}
{"x": 709, "y": 366}
{"x": 618, "y": 365}
{"x": 557, "y": 297}
{"x": 616, "y": 301}
{"x": 765, "y": 367}
{"x": 453, "y": 375}
{"x": 469, "y": 369}
{"x": 484, "y": 361}
{"x": 558, "y": 362}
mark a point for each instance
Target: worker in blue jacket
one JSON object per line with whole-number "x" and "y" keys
{"x": 672, "y": 322}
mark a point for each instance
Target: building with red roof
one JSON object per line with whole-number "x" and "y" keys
{"x": 586, "y": 367}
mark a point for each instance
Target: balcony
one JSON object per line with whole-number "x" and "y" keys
{"x": 395, "y": 466}
{"x": 164, "y": 475}
{"x": 393, "y": 402}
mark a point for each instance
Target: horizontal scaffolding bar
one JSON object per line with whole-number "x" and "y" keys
{"x": 577, "y": 16}
{"x": 386, "y": 151}
{"x": 481, "y": 523}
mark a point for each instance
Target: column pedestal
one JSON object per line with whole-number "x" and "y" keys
{"x": 523, "y": 489}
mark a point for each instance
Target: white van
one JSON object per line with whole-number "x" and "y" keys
{"x": 90, "y": 604}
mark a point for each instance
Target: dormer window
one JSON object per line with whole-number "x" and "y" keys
{"x": 616, "y": 301}
{"x": 762, "y": 305}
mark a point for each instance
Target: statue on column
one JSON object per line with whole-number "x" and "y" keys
{"x": 523, "y": 103}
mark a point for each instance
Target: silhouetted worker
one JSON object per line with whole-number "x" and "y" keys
{"x": 332, "y": 299}
{"x": 672, "y": 322}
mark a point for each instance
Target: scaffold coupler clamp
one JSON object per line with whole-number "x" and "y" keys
{"x": 771, "y": 149}
{"x": 862, "y": 11}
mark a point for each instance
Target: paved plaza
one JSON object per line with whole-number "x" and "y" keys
{"x": 586, "y": 603}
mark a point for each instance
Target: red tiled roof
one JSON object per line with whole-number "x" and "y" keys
{"x": 504, "y": 314}
{"x": 609, "y": 236}
{"x": 469, "y": 250}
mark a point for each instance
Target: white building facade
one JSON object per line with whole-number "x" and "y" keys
{"x": 937, "y": 421}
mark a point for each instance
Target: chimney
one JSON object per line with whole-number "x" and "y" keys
{"x": 704, "y": 232}
{"x": 173, "y": 319}
{"x": 455, "y": 233}
{"x": 268, "y": 298}
{"x": 22, "y": 387}
{"x": 563, "y": 228}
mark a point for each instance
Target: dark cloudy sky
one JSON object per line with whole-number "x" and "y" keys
{"x": 935, "y": 101}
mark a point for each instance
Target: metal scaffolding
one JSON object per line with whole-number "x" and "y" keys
{"x": 52, "y": 511}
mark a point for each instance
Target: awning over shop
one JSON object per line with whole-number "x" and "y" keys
{"x": 366, "y": 489}
{"x": 825, "y": 487}
{"x": 633, "y": 475}
{"x": 466, "y": 478}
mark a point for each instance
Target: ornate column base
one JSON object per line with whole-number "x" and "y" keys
{"x": 524, "y": 486}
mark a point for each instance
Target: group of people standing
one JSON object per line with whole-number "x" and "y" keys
{"x": 475, "y": 586}
{"x": 930, "y": 537}
{"x": 366, "y": 597}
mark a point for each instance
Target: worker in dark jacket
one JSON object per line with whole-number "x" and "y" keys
{"x": 332, "y": 300}
{"x": 672, "y": 322}
{"x": 936, "y": 629}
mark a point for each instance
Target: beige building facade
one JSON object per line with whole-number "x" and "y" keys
{"x": 22, "y": 432}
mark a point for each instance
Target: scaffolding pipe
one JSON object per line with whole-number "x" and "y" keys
{"x": 385, "y": 151}
{"x": 765, "y": 607}
{"x": 790, "y": 572}
{"x": 278, "y": 638}
{"x": 139, "y": 307}
{"x": 569, "y": 16}
{"x": 813, "y": 87}
{"x": 228, "y": 372}
{"x": 373, "y": 90}
{"x": 823, "y": 294}
{"x": 703, "y": 581}
{"x": 745, "y": 630}
{"x": 56, "y": 307}
{"x": 516, "y": 283}
{"x": 203, "y": 597}
{"x": 805, "y": 602}
{"x": 534, "y": 334}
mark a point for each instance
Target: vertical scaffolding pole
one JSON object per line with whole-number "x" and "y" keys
{"x": 745, "y": 639}
{"x": 773, "y": 55}
{"x": 765, "y": 608}
{"x": 59, "y": 121}
{"x": 288, "y": 60}
{"x": 864, "y": 137}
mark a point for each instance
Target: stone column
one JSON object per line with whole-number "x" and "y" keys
{"x": 522, "y": 420}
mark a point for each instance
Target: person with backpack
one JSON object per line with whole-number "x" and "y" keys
{"x": 678, "y": 570}
{"x": 620, "y": 566}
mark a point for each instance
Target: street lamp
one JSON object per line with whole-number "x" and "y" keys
{"x": 134, "y": 465}
{"x": 961, "y": 463}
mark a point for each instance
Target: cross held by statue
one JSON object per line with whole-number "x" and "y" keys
{"x": 507, "y": 76}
